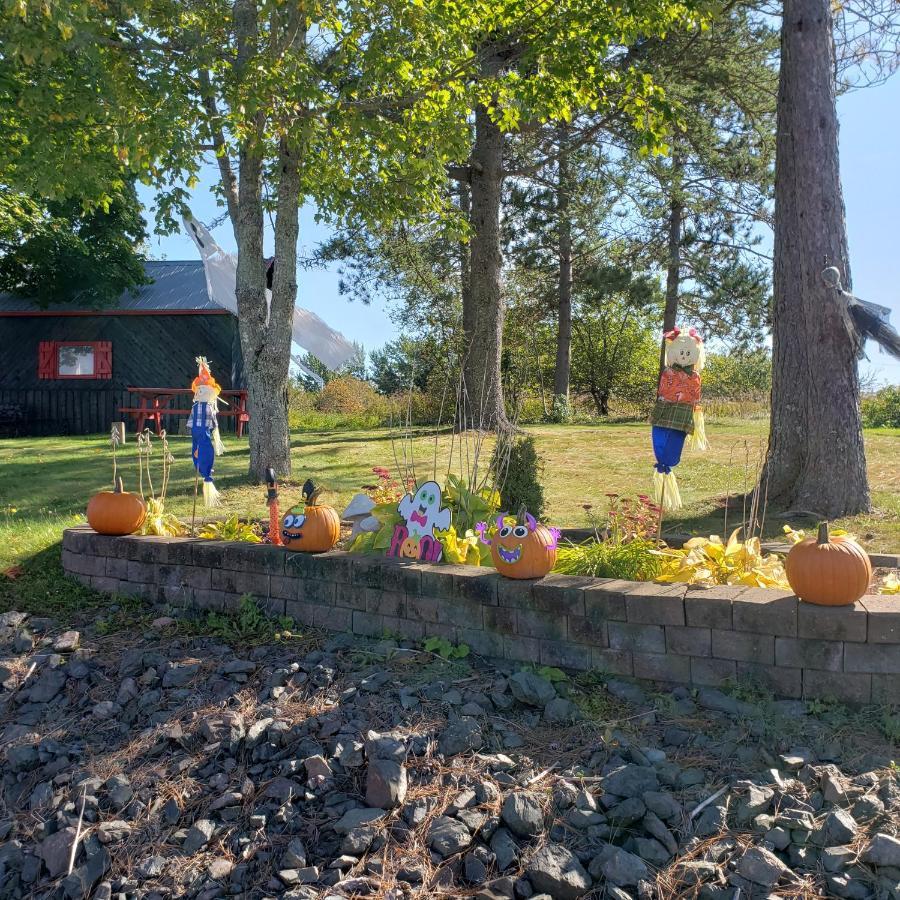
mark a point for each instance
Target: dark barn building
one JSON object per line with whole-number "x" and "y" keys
{"x": 65, "y": 370}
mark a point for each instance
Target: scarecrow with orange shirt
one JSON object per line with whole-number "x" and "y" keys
{"x": 206, "y": 443}
{"x": 677, "y": 415}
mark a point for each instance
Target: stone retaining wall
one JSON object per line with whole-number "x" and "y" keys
{"x": 671, "y": 633}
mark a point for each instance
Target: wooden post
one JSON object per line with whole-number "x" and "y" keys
{"x": 662, "y": 500}
{"x": 194, "y": 508}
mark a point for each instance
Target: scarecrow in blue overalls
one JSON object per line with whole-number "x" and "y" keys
{"x": 205, "y": 441}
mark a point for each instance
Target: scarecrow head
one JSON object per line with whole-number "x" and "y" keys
{"x": 206, "y": 389}
{"x": 684, "y": 348}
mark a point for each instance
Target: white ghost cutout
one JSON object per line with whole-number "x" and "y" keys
{"x": 422, "y": 511}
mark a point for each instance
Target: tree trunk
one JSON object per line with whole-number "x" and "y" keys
{"x": 673, "y": 264}
{"x": 265, "y": 332}
{"x": 564, "y": 288}
{"x": 481, "y": 369}
{"x": 816, "y": 459}
{"x": 465, "y": 274}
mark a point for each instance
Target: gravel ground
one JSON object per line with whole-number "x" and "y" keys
{"x": 156, "y": 761}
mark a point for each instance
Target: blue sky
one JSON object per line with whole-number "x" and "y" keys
{"x": 870, "y": 134}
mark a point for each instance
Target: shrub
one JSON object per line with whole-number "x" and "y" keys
{"x": 520, "y": 483}
{"x": 347, "y": 394}
{"x": 882, "y": 409}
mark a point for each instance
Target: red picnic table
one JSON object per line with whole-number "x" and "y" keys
{"x": 154, "y": 403}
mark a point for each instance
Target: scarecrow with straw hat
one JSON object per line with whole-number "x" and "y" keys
{"x": 206, "y": 443}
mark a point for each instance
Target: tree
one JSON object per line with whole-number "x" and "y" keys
{"x": 404, "y": 364}
{"x": 295, "y": 101}
{"x": 816, "y": 458}
{"x": 56, "y": 251}
{"x": 613, "y": 342}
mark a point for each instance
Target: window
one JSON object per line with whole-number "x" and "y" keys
{"x": 75, "y": 359}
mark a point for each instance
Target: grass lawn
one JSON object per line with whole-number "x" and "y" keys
{"x": 45, "y": 482}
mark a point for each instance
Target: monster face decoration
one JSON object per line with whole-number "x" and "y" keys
{"x": 423, "y": 516}
{"x": 525, "y": 549}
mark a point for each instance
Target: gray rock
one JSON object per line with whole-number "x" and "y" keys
{"x": 631, "y": 781}
{"x": 459, "y": 736}
{"x": 618, "y": 866}
{"x": 180, "y": 674}
{"x": 224, "y": 727}
{"x": 557, "y": 872}
{"x": 294, "y": 857}
{"x": 625, "y": 690}
{"x": 839, "y": 827}
{"x": 663, "y": 804}
{"x": 48, "y": 685}
{"x": 778, "y": 837}
{"x": 627, "y": 812}
{"x": 710, "y": 698}
{"x": 522, "y": 814}
{"x": 655, "y": 827}
{"x": 761, "y": 867}
{"x": 652, "y": 851}
{"x": 447, "y": 836}
{"x": 353, "y": 818}
{"x": 219, "y": 869}
{"x": 848, "y": 887}
{"x": 836, "y": 859}
{"x": 696, "y": 871}
{"x": 151, "y": 867}
{"x": 55, "y": 851}
{"x": 390, "y": 745}
{"x": 113, "y": 831}
{"x": 386, "y": 783}
{"x": 560, "y": 711}
{"x": 505, "y": 849}
{"x": 118, "y": 792}
{"x": 712, "y": 820}
{"x": 883, "y": 850}
{"x": 476, "y": 865}
{"x": 359, "y": 839}
{"x": 531, "y": 689}
{"x": 317, "y": 767}
{"x": 81, "y": 882}
{"x": 198, "y": 835}
{"x": 757, "y": 800}
{"x": 867, "y": 808}
{"x": 67, "y": 642}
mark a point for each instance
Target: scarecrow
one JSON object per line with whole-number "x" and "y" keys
{"x": 205, "y": 441}
{"x": 677, "y": 415}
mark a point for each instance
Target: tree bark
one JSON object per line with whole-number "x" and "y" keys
{"x": 673, "y": 253}
{"x": 816, "y": 459}
{"x": 564, "y": 289}
{"x": 484, "y": 340}
{"x": 465, "y": 274}
{"x": 265, "y": 331}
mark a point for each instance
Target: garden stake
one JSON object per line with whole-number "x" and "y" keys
{"x": 194, "y": 507}
{"x": 272, "y": 500}
{"x": 662, "y": 500}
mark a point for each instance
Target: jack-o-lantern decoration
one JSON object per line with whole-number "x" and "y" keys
{"x": 116, "y": 512}
{"x": 314, "y": 529}
{"x": 524, "y": 550}
{"x": 828, "y": 571}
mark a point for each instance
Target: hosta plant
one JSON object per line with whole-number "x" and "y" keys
{"x": 711, "y": 561}
{"x": 465, "y": 549}
{"x": 160, "y": 522}
{"x": 891, "y": 584}
{"x": 231, "y": 529}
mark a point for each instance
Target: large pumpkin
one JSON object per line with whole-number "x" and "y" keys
{"x": 524, "y": 550}
{"x": 315, "y": 529}
{"x": 116, "y": 512}
{"x": 829, "y": 571}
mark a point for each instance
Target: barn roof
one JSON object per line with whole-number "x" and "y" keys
{"x": 176, "y": 286}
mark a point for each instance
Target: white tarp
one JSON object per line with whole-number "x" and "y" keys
{"x": 307, "y": 329}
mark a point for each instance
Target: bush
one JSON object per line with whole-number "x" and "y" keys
{"x": 882, "y": 409}
{"x": 347, "y": 395}
{"x": 521, "y": 485}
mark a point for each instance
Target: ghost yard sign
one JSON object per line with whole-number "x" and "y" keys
{"x": 423, "y": 517}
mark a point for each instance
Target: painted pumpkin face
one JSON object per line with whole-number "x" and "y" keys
{"x": 314, "y": 530}
{"x": 520, "y": 551}
{"x": 409, "y": 549}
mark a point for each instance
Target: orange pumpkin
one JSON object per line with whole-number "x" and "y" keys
{"x": 314, "y": 530}
{"x": 524, "y": 550}
{"x": 116, "y": 512}
{"x": 829, "y": 571}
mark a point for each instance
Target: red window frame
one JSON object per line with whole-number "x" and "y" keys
{"x": 48, "y": 360}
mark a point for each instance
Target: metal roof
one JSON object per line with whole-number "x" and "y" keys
{"x": 177, "y": 285}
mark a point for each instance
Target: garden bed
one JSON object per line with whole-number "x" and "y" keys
{"x": 664, "y": 632}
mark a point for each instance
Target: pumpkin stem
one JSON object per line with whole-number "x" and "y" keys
{"x": 120, "y": 488}
{"x": 311, "y": 492}
{"x": 823, "y": 534}
{"x": 520, "y": 518}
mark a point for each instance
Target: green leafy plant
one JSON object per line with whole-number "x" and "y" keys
{"x": 631, "y": 561}
{"x": 248, "y": 624}
{"x": 231, "y": 529}
{"x": 443, "y": 648}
